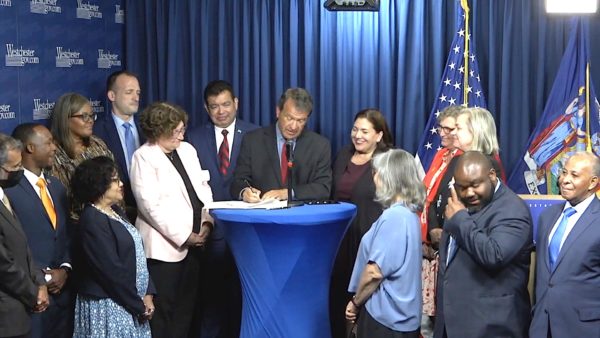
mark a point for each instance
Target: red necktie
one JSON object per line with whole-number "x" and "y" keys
{"x": 284, "y": 165}
{"x": 224, "y": 154}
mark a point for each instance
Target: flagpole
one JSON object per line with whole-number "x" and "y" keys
{"x": 465, "y": 6}
{"x": 588, "y": 141}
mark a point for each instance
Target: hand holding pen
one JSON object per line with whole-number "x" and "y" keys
{"x": 250, "y": 194}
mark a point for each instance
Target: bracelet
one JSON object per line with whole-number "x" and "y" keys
{"x": 354, "y": 302}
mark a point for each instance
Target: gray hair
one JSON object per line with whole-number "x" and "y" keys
{"x": 592, "y": 158}
{"x": 399, "y": 178}
{"x": 7, "y": 144}
{"x": 450, "y": 111}
{"x": 302, "y": 99}
{"x": 483, "y": 128}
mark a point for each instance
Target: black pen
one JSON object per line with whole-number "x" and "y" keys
{"x": 250, "y": 187}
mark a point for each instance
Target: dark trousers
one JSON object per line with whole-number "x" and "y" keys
{"x": 219, "y": 306}
{"x": 176, "y": 291}
{"x": 367, "y": 327}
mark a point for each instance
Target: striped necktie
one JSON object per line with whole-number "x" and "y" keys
{"x": 224, "y": 154}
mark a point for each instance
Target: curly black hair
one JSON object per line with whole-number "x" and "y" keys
{"x": 92, "y": 178}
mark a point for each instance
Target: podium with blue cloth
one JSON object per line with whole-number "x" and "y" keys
{"x": 284, "y": 258}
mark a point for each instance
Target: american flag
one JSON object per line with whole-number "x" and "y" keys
{"x": 452, "y": 86}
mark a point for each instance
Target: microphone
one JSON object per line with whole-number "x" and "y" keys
{"x": 289, "y": 152}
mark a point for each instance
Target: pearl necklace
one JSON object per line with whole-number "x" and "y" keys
{"x": 111, "y": 214}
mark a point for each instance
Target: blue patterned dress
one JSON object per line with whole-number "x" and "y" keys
{"x": 95, "y": 318}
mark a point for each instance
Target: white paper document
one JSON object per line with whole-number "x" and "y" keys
{"x": 270, "y": 203}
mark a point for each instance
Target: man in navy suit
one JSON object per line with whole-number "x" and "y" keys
{"x": 484, "y": 256}
{"x": 22, "y": 285}
{"x": 48, "y": 235}
{"x": 218, "y": 145}
{"x": 119, "y": 128}
{"x": 567, "y": 301}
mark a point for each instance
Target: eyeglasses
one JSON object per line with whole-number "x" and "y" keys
{"x": 86, "y": 117}
{"x": 115, "y": 179}
{"x": 446, "y": 130}
{"x": 177, "y": 132}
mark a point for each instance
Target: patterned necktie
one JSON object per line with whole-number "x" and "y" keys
{"x": 284, "y": 165}
{"x": 7, "y": 204}
{"x": 46, "y": 201}
{"x": 554, "y": 246}
{"x": 224, "y": 154}
{"x": 129, "y": 141}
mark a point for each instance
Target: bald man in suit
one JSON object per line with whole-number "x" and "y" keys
{"x": 567, "y": 302}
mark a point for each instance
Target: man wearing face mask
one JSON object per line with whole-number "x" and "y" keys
{"x": 22, "y": 285}
{"x": 484, "y": 256}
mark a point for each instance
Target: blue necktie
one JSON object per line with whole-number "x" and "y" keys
{"x": 129, "y": 141}
{"x": 554, "y": 246}
{"x": 451, "y": 249}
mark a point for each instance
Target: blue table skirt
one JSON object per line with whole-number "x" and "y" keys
{"x": 285, "y": 258}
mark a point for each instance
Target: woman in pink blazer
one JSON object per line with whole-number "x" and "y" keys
{"x": 171, "y": 189}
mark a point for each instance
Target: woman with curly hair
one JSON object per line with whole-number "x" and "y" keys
{"x": 171, "y": 189}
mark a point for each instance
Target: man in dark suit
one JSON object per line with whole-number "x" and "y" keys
{"x": 484, "y": 256}
{"x": 262, "y": 162}
{"x": 45, "y": 226}
{"x": 119, "y": 128}
{"x": 218, "y": 145}
{"x": 567, "y": 301}
{"x": 22, "y": 285}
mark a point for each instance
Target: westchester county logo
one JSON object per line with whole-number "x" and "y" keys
{"x": 44, "y": 6}
{"x": 6, "y": 3}
{"x": 42, "y": 110}
{"x": 97, "y": 106}
{"x": 67, "y": 58}
{"x": 119, "y": 14}
{"x": 6, "y": 113}
{"x": 18, "y": 57}
{"x": 87, "y": 11}
{"x": 106, "y": 60}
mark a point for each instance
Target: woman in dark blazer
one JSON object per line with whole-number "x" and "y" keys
{"x": 115, "y": 293}
{"x": 353, "y": 182}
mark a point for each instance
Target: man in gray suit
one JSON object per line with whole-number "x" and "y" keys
{"x": 568, "y": 256}
{"x": 484, "y": 256}
{"x": 22, "y": 285}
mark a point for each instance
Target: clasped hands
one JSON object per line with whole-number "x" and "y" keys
{"x": 252, "y": 195}
{"x": 148, "y": 309}
{"x": 43, "y": 300}
{"x": 199, "y": 239}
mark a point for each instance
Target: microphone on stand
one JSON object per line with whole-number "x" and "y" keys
{"x": 289, "y": 151}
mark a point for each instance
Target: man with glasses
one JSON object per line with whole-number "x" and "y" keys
{"x": 119, "y": 128}
{"x": 22, "y": 284}
{"x": 218, "y": 145}
{"x": 40, "y": 203}
{"x": 261, "y": 171}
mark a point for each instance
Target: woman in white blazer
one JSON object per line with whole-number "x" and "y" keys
{"x": 171, "y": 189}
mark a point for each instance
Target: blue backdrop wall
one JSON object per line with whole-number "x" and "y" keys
{"x": 392, "y": 59}
{"x": 50, "y": 47}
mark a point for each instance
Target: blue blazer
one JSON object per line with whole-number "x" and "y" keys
{"x": 567, "y": 301}
{"x": 109, "y": 269}
{"x": 106, "y": 129}
{"x": 203, "y": 139}
{"x": 50, "y": 248}
{"x": 482, "y": 291}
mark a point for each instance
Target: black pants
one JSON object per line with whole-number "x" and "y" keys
{"x": 370, "y": 328}
{"x": 176, "y": 287}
